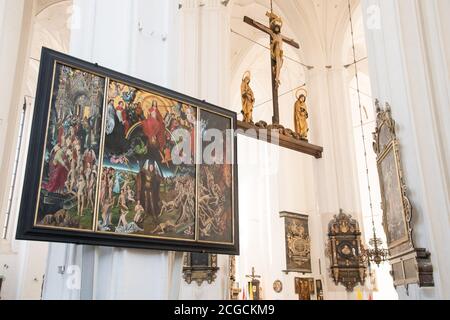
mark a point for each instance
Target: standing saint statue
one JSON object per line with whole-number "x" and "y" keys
{"x": 248, "y": 99}
{"x": 301, "y": 114}
{"x": 276, "y": 45}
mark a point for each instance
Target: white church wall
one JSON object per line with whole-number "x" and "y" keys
{"x": 203, "y": 72}
{"x": 139, "y": 46}
{"x": 407, "y": 67}
{"x": 22, "y": 263}
{"x": 370, "y": 198}
{"x": 331, "y": 181}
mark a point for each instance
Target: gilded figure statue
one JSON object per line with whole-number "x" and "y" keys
{"x": 301, "y": 114}
{"x": 248, "y": 98}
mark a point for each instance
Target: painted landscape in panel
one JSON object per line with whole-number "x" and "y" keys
{"x": 143, "y": 190}
{"x": 68, "y": 187}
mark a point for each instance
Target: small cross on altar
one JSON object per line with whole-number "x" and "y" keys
{"x": 253, "y": 276}
{"x": 256, "y": 293}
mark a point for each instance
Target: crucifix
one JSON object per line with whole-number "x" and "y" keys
{"x": 255, "y": 284}
{"x": 276, "y": 50}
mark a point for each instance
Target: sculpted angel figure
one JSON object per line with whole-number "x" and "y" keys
{"x": 276, "y": 45}
{"x": 248, "y": 98}
{"x": 301, "y": 114}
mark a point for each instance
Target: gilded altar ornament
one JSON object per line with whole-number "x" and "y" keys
{"x": 248, "y": 98}
{"x": 276, "y": 45}
{"x": 301, "y": 114}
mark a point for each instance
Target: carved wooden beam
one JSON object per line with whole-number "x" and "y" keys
{"x": 284, "y": 140}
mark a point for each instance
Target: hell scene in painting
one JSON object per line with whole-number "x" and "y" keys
{"x": 69, "y": 176}
{"x": 142, "y": 190}
{"x": 215, "y": 207}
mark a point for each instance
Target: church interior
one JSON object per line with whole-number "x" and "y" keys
{"x": 349, "y": 200}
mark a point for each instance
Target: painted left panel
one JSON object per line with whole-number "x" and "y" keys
{"x": 69, "y": 184}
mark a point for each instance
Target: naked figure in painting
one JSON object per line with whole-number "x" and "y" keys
{"x": 143, "y": 191}
{"x": 69, "y": 175}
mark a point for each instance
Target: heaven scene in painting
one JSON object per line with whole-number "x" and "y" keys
{"x": 69, "y": 175}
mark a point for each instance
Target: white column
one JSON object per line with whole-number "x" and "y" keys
{"x": 131, "y": 37}
{"x": 15, "y": 27}
{"x": 408, "y": 51}
{"x": 336, "y": 180}
{"x": 203, "y": 73}
{"x": 22, "y": 273}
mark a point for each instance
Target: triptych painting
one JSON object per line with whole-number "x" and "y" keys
{"x": 120, "y": 162}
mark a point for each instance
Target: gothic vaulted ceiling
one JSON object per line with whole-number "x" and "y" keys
{"x": 322, "y": 26}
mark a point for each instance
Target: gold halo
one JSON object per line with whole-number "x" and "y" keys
{"x": 297, "y": 95}
{"x": 246, "y": 73}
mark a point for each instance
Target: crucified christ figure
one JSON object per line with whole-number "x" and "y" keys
{"x": 276, "y": 45}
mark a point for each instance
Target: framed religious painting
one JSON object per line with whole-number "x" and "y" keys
{"x": 117, "y": 161}
{"x": 409, "y": 264}
{"x": 297, "y": 243}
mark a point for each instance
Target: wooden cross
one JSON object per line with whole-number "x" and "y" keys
{"x": 270, "y": 30}
{"x": 253, "y": 276}
{"x": 255, "y": 284}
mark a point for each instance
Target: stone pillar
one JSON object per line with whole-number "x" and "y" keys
{"x": 204, "y": 74}
{"x": 22, "y": 274}
{"x": 335, "y": 176}
{"x": 15, "y": 27}
{"x": 408, "y": 50}
{"x": 132, "y": 37}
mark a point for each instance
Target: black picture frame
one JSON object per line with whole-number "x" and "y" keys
{"x": 26, "y": 228}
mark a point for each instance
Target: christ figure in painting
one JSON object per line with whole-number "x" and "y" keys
{"x": 154, "y": 128}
